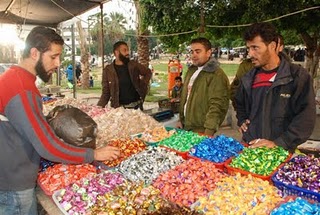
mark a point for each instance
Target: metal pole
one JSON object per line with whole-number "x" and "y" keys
{"x": 58, "y": 77}
{"x": 73, "y": 61}
{"x": 102, "y": 36}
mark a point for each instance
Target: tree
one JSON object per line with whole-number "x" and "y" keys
{"x": 96, "y": 31}
{"x": 130, "y": 35}
{"x": 84, "y": 56}
{"x": 115, "y": 26}
{"x": 203, "y": 17}
{"x": 171, "y": 17}
{"x": 114, "y": 29}
{"x": 142, "y": 37}
{"x": 303, "y": 24}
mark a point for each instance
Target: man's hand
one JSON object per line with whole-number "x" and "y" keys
{"x": 106, "y": 153}
{"x": 261, "y": 142}
{"x": 179, "y": 125}
{"x": 244, "y": 126}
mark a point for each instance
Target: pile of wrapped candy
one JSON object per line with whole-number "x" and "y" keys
{"x": 80, "y": 196}
{"x": 182, "y": 140}
{"x": 148, "y": 164}
{"x": 298, "y": 206}
{"x": 61, "y": 175}
{"x": 135, "y": 198}
{"x": 182, "y": 172}
{"x": 157, "y": 134}
{"x": 262, "y": 161}
{"x": 301, "y": 171}
{"x": 217, "y": 149}
{"x": 127, "y": 148}
{"x": 239, "y": 195}
{"x": 188, "y": 181}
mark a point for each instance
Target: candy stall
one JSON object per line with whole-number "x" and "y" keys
{"x": 165, "y": 170}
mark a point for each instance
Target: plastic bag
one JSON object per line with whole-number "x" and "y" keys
{"x": 73, "y": 126}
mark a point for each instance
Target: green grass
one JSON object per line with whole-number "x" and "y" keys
{"x": 96, "y": 90}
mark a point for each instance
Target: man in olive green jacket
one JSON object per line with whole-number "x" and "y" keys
{"x": 245, "y": 66}
{"x": 205, "y": 96}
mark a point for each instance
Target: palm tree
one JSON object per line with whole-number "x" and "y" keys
{"x": 142, "y": 40}
{"x": 115, "y": 26}
{"x": 95, "y": 32}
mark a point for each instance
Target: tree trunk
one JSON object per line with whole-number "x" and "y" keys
{"x": 143, "y": 50}
{"x": 312, "y": 57}
{"x": 84, "y": 57}
{"x": 143, "y": 43}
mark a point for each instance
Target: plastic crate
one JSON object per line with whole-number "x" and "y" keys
{"x": 289, "y": 190}
{"x": 232, "y": 170}
{"x": 55, "y": 197}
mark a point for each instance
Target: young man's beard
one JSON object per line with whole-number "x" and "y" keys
{"x": 41, "y": 72}
{"x": 124, "y": 59}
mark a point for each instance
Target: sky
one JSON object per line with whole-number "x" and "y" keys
{"x": 125, "y": 7}
{"x": 9, "y": 34}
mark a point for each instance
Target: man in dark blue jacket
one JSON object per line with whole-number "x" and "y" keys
{"x": 275, "y": 101}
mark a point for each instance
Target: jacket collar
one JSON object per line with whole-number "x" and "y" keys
{"x": 283, "y": 73}
{"x": 210, "y": 66}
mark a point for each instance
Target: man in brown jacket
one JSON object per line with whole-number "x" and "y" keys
{"x": 124, "y": 82}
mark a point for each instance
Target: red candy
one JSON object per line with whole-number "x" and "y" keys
{"x": 188, "y": 181}
{"x": 61, "y": 175}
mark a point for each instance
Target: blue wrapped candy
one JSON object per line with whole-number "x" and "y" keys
{"x": 45, "y": 164}
{"x": 297, "y": 207}
{"x": 218, "y": 149}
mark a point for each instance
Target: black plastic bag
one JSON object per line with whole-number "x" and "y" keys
{"x": 73, "y": 126}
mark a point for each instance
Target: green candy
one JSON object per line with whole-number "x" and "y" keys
{"x": 261, "y": 161}
{"x": 182, "y": 140}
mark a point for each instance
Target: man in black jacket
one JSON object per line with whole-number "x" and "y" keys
{"x": 275, "y": 101}
{"x": 124, "y": 82}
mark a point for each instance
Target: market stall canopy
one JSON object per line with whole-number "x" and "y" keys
{"x": 43, "y": 12}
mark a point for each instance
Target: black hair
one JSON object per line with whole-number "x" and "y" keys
{"x": 204, "y": 41}
{"x": 118, "y": 44}
{"x": 41, "y": 38}
{"x": 265, "y": 30}
{"x": 178, "y": 78}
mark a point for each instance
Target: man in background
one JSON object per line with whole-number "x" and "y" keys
{"x": 124, "y": 82}
{"x": 204, "y": 99}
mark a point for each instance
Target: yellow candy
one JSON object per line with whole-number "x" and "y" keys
{"x": 238, "y": 195}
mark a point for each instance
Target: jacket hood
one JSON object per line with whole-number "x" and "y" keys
{"x": 70, "y": 67}
{"x": 210, "y": 66}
